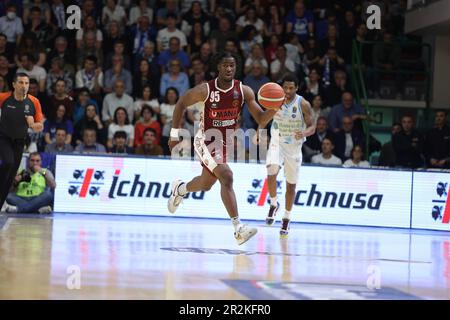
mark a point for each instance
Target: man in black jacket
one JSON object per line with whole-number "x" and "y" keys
{"x": 313, "y": 144}
{"x": 346, "y": 139}
{"x": 437, "y": 142}
{"x": 408, "y": 144}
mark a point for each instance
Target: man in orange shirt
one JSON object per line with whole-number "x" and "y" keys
{"x": 19, "y": 111}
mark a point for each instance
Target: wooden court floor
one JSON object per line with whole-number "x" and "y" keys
{"x": 68, "y": 256}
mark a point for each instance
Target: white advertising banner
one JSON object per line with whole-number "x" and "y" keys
{"x": 431, "y": 201}
{"x": 138, "y": 186}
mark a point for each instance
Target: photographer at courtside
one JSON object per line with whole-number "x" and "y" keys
{"x": 32, "y": 189}
{"x": 19, "y": 111}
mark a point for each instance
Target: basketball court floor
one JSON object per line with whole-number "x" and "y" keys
{"x": 73, "y": 256}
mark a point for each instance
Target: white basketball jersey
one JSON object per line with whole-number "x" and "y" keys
{"x": 287, "y": 121}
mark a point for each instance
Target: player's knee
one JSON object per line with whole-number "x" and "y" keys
{"x": 227, "y": 179}
{"x": 290, "y": 187}
{"x": 272, "y": 169}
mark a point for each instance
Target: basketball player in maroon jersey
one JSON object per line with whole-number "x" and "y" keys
{"x": 221, "y": 100}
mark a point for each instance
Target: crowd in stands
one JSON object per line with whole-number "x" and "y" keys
{"x": 111, "y": 86}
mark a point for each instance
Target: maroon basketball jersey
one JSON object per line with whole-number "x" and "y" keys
{"x": 222, "y": 107}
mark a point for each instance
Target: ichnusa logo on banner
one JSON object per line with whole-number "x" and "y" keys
{"x": 431, "y": 201}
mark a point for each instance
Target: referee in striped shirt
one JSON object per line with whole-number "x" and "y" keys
{"x": 19, "y": 111}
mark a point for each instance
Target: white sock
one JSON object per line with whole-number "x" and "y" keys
{"x": 273, "y": 201}
{"x": 236, "y": 223}
{"x": 182, "y": 189}
{"x": 287, "y": 215}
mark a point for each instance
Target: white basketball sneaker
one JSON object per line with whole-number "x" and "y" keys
{"x": 175, "y": 199}
{"x": 244, "y": 233}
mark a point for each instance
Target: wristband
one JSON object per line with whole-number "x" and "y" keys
{"x": 174, "y": 132}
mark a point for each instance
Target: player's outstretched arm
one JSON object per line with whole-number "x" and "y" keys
{"x": 310, "y": 124}
{"x": 192, "y": 96}
{"x": 261, "y": 117}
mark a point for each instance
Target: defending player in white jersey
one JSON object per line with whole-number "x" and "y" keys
{"x": 290, "y": 127}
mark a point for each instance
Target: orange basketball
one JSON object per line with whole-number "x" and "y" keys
{"x": 271, "y": 96}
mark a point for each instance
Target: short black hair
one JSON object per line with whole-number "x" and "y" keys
{"x": 408, "y": 115}
{"x": 147, "y": 107}
{"x": 2, "y": 35}
{"x": 290, "y": 77}
{"x": 441, "y": 110}
{"x": 171, "y": 15}
{"x": 362, "y": 150}
{"x": 224, "y": 55}
{"x": 61, "y": 128}
{"x": 83, "y": 90}
{"x": 34, "y": 81}
{"x": 20, "y": 74}
{"x": 120, "y": 134}
{"x": 29, "y": 56}
{"x": 91, "y": 58}
{"x": 122, "y": 42}
{"x": 151, "y": 130}
{"x": 329, "y": 139}
{"x": 35, "y": 9}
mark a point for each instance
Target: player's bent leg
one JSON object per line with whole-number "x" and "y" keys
{"x": 284, "y": 230}
{"x": 242, "y": 232}
{"x": 272, "y": 171}
{"x": 291, "y": 167}
{"x": 225, "y": 176}
{"x": 204, "y": 182}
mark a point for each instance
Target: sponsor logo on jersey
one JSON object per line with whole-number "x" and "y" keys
{"x": 223, "y": 123}
{"x": 235, "y": 103}
{"x": 235, "y": 94}
{"x": 224, "y": 114}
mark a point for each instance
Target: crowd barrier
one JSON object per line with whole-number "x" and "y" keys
{"x": 327, "y": 195}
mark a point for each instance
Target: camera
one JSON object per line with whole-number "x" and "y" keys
{"x": 26, "y": 176}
